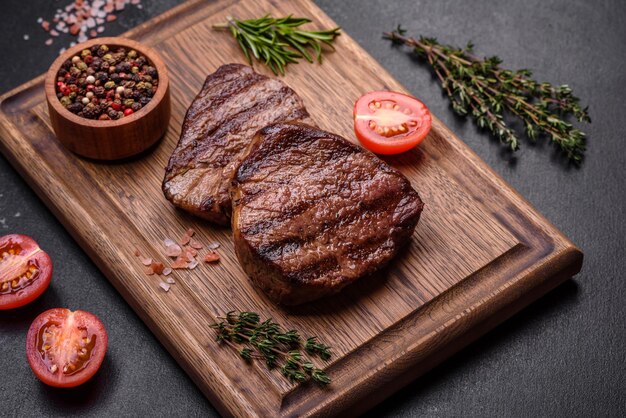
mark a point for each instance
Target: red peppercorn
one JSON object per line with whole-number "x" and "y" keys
{"x": 88, "y": 59}
{"x": 116, "y": 106}
{"x": 65, "y": 91}
{"x": 90, "y": 87}
{"x": 128, "y": 111}
{"x": 60, "y": 85}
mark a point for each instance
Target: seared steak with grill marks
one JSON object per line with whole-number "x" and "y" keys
{"x": 234, "y": 103}
{"x": 313, "y": 212}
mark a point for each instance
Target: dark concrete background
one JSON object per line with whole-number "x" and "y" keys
{"x": 562, "y": 356}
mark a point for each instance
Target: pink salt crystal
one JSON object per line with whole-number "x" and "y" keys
{"x": 173, "y": 250}
{"x": 195, "y": 244}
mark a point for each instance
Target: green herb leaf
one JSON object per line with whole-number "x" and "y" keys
{"x": 266, "y": 340}
{"x": 278, "y": 42}
{"x": 484, "y": 90}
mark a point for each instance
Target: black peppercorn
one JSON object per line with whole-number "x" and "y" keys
{"x": 99, "y": 91}
{"x": 90, "y": 111}
{"x": 124, "y": 67}
{"x": 75, "y": 107}
{"x": 112, "y": 114}
{"x": 96, "y": 63}
{"x": 151, "y": 71}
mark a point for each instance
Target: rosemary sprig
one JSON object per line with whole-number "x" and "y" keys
{"x": 267, "y": 341}
{"x": 482, "y": 89}
{"x": 279, "y": 41}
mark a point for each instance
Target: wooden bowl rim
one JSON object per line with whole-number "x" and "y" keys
{"x": 151, "y": 54}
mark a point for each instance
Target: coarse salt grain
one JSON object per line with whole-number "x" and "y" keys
{"x": 196, "y": 244}
{"x": 173, "y": 250}
{"x": 184, "y": 240}
{"x": 213, "y": 245}
{"x": 211, "y": 257}
{"x": 85, "y": 18}
{"x": 157, "y": 267}
{"x": 169, "y": 280}
{"x": 180, "y": 263}
{"x": 193, "y": 264}
{"x": 164, "y": 286}
{"x": 167, "y": 271}
{"x": 146, "y": 261}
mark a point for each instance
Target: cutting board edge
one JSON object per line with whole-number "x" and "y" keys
{"x": 571, "y": 261}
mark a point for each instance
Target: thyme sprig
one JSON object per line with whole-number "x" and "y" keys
{"x": 268, "y": 342}
{"x": 482, "y": 89}
{"x": 278, "y": 42}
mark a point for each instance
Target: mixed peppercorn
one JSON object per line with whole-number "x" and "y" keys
{"x": 105, "y": 84}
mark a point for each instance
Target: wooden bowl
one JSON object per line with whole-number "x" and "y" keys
{"x": 110, "y": 139}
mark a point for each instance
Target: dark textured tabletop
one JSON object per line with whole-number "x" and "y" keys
{"x": 565, "y": 355}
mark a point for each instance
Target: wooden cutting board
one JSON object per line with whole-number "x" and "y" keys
{"x": 479, "y": 254}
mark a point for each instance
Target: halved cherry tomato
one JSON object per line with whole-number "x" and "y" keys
{"x": 25, "y": 271}
{"x": 388, "y": 122}
{"x": 65, "y": 348}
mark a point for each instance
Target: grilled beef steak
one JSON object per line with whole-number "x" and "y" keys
{"x": 234, "y": 103}
{"x": 313, "y": 212}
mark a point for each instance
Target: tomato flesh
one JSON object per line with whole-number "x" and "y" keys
{"x": 387, "y": 122}
{"x": 65, "y": 348}
{"x": 25, "y": 271}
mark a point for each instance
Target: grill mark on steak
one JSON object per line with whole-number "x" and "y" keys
{"x": 232, "y": 105}
{"x": 226, "y": 119}
{"x": 313, "y": 212}
{"x": 264, "y": 227}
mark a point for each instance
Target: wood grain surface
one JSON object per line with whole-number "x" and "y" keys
{"x": 479, "y": 254}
